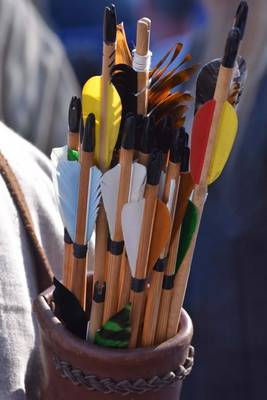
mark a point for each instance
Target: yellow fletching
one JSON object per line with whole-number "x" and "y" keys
{"x": 224, "y": 141}
{"x": 91, "y": 103}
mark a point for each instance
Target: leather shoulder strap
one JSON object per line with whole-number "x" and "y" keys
{"x": 43, "y": 269}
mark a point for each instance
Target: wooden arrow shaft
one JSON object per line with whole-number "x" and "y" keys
{"x": 79, "y": 278}
{"x": 108, "y": 60}
{"x": 73, "y": 140}
{"x": 180, "y": 285}
{"x": 166, "y": 295}
{"x": 68, "y": 262}
{"x": 155, "y": 288}
{"x": 137, "y": 298}
{"x": 125, "y": 282}
{"x": 114, "y": 261}
{"x": 112, "y": 286}
{"x": 142, "y": 48}
{"x": 86, "y": 164}
{"x": 97, "y": 309}
{"x": 152, "y": 308}
{"x": 73, "y": 144}
{"x": 126, "y": 159}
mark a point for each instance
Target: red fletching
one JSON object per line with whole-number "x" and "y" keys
{"x": 200, "y": 136}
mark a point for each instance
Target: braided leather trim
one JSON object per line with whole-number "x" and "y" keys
{"x": 125, "y": 387}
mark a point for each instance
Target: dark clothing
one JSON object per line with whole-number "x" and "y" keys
{"x": 226, "y": 297}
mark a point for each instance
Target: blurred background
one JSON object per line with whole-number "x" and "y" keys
{"x": 49, "y": 48}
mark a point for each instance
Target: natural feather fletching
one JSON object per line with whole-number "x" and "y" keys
{"x": 110, "y": 189}
{"x": 66, "y": 176}
{"x": 207, "y": 79}
{"x": 131, "y": 220}
{"x": 123, "y": 54}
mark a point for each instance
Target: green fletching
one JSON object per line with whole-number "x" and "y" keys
{"x": 73, "y": 155}
{"x": 116, "y": 332}
{"x": 187, "y": 232}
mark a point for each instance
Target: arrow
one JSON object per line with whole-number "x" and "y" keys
{"x": 212, "y": 118}
{"x": 101, "y": 97}
{"x": 185, "y": 189}
{"x": 121, "y": 184}
{"x": 78, "y": 207}
{"x": 141, "y": 63}
{"x": 73, "y": 144}
{"x": 137, "y": 225}
{"x": 221, "y": 94}
{"x": 169, "y": 197}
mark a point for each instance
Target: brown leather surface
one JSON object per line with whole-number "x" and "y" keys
{"x": 101, "y": 362}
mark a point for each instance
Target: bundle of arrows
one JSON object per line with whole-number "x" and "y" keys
{"x": 128, "y": 182}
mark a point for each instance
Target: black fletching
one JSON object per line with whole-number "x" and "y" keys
{"x": 75, "y": 109}
{"x": 69, "y": 310}
{"x": 154, "y": 168}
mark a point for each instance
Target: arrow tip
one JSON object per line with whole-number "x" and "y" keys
{"x": 185, "y": 160}
{"x": 231, "y": 48}
{"x": 241, "y": 18}
{"x": 89, "y": 134}
{"x": 146, "y": 141}
{"x": 75, "y": 109}
{"x": 154, "y": 168}
{"x": 178, "y": 144}
{"x": 164, "y": 133}
{"x": 110, "y": 22}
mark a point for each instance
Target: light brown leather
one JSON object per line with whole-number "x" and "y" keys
{"x": 102, "y": 363}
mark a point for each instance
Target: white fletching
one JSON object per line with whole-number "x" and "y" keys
{"x": 131, "y": 218}
{"x": 138, "y": 182}
{"x": 66, "y": 178}
{"x": 110, "y": 189}
{"x": 171, "y": 195}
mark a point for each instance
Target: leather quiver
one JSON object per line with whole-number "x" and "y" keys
{"x": 77, "y": 370}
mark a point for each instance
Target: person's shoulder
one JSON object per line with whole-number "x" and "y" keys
{"x": 24, "y": 158}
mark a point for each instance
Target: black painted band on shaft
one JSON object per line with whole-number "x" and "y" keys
{"x": 115, "y": 248}
{"x": 168, "y": 282}
{"x": 138, "y": 285}
{"x": 99, "y": 292}
{"x": 160, "y": 264}
{"x": 79, "y": 250}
